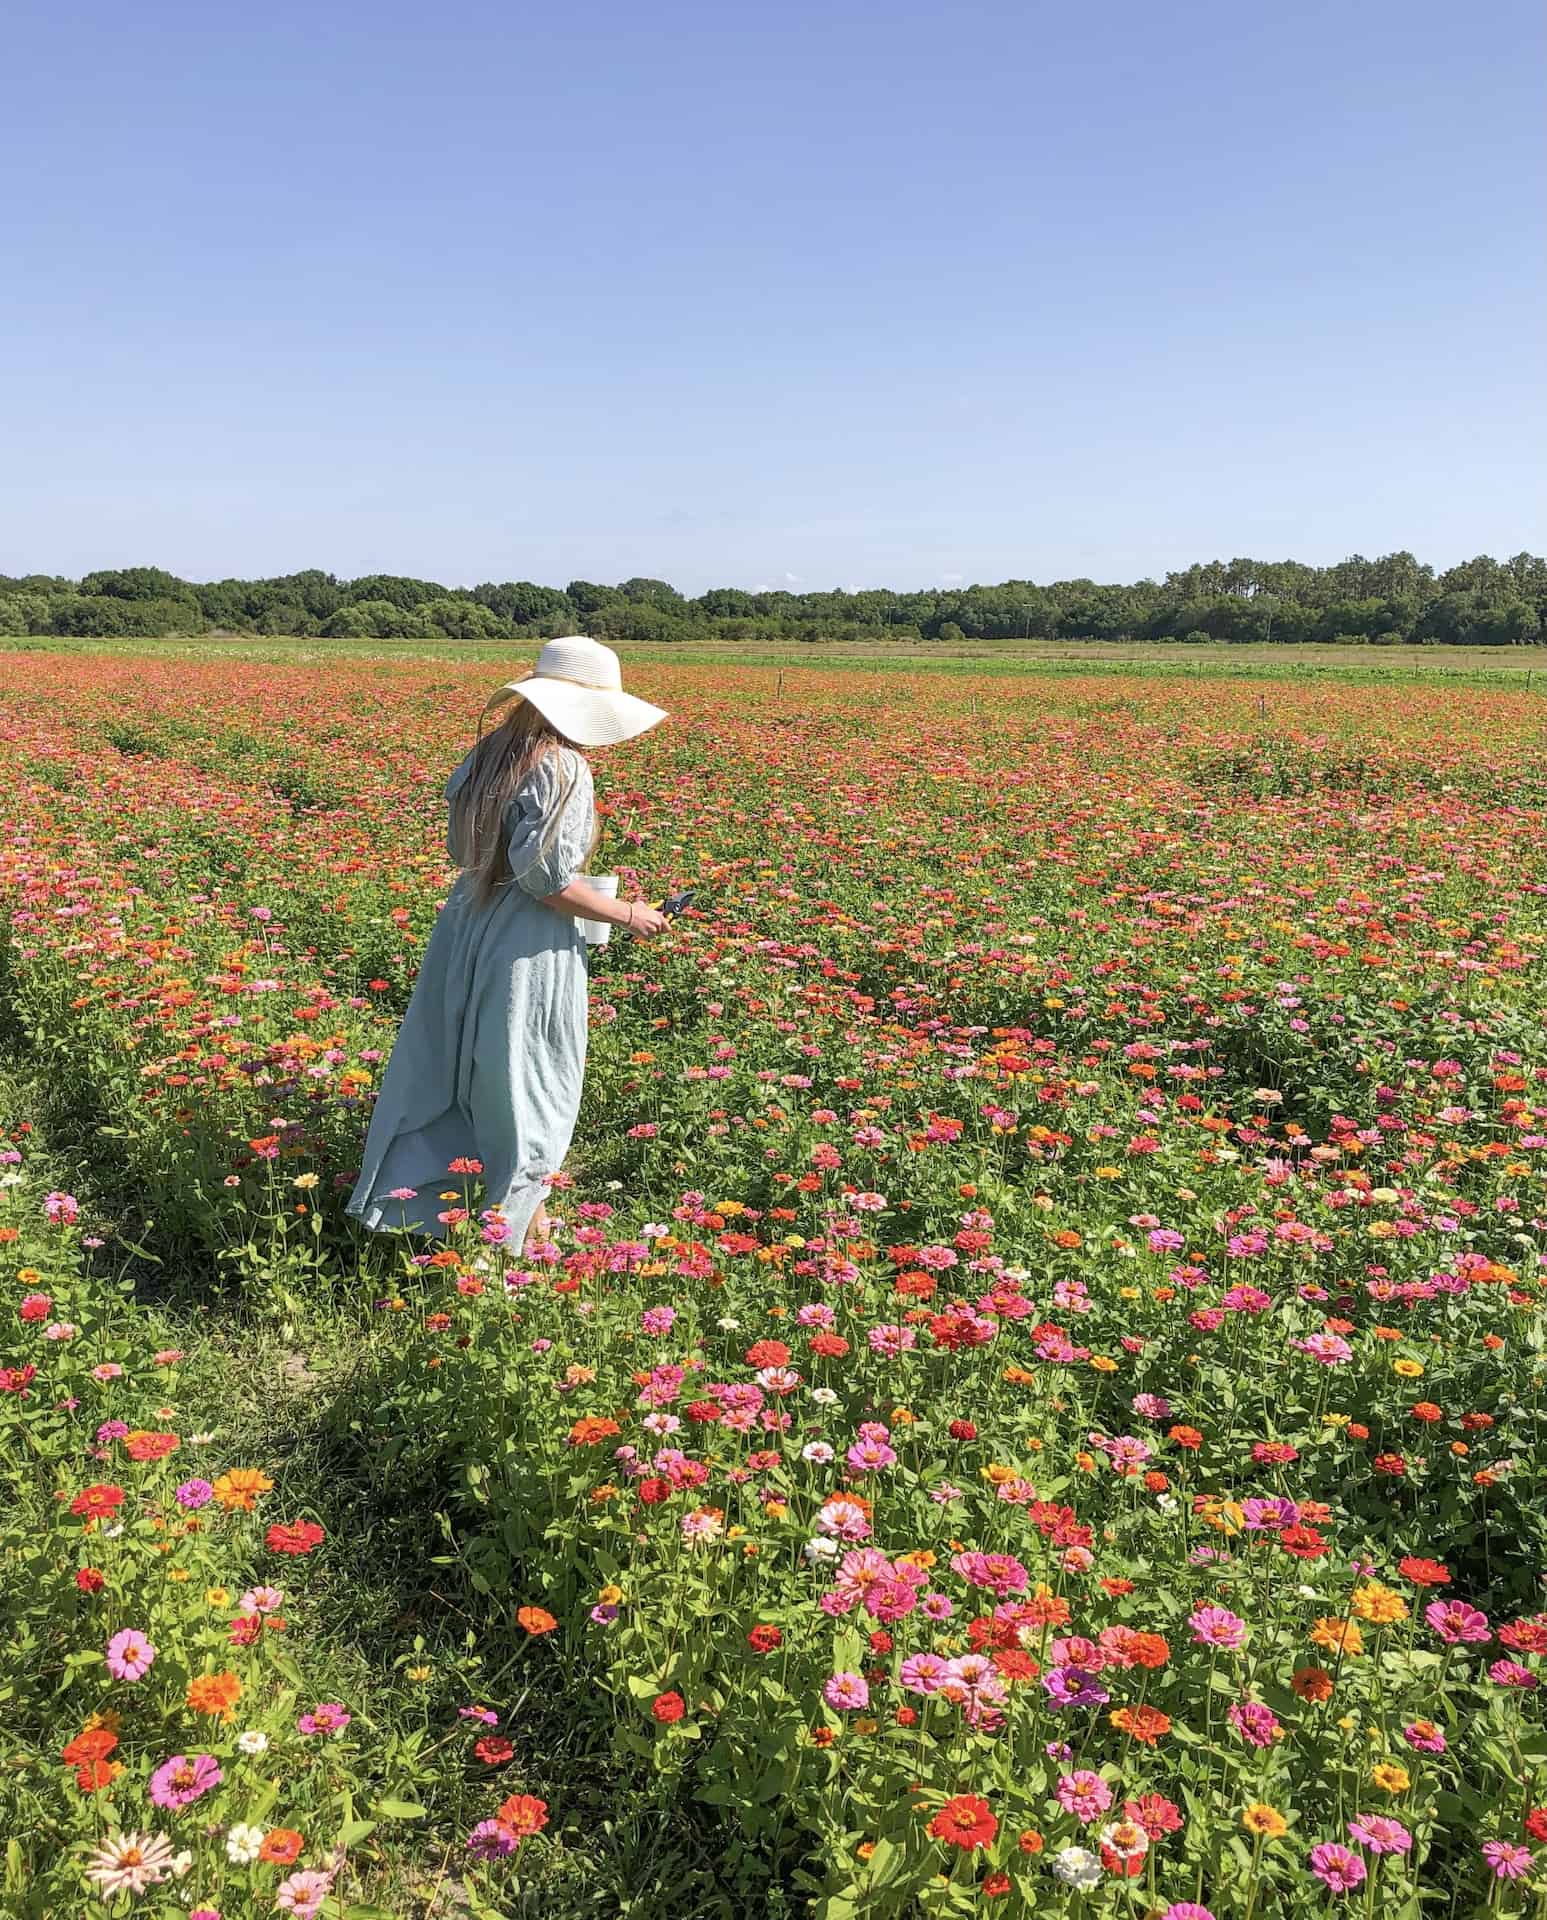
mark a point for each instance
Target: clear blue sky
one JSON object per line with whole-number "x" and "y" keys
{"x": 768, "y": 293}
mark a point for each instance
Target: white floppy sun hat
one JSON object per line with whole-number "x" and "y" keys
{"x": 577, "y": 687}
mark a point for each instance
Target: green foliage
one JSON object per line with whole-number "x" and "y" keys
{"x": 1392, "y": 600}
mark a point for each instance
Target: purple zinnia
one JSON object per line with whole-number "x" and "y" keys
{"x": 490, "y": 1841}
{"x": 184, "y": 1778}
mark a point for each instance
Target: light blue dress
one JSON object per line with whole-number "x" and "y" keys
{"x": 491, "y": 1056}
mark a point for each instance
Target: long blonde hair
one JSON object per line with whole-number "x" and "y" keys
{"x": 501, "y": 759}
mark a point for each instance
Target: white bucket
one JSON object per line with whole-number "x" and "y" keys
{"x": 596, "y": 933}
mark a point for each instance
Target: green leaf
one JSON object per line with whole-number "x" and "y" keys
{"x": 400, "y": 1810}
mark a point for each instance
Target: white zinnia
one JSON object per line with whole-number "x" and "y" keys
{"x": 1077, "y": 1867}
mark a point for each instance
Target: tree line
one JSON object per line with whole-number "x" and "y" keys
{"x": 1391, "y": 601}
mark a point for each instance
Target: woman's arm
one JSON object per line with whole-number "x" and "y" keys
{"x": 578, "y": 901}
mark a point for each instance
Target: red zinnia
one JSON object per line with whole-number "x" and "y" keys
{"x": 1423, "y": 1573}
{"x": 1157, "y": 1815}
{"x": 294, "y": 1536}
{"x": 94, "y": 1502}
{"x": 668, "y": 1708}
{"x": 494, "y": 1750}
{"x": 90, "y": 1579}
{"x": 96, "y": 1743}
{"x": 764, "y": 1639}
{"x": 965, "y": 1822}
{"x": 1305, "y": 1543}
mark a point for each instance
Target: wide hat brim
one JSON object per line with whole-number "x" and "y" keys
{"x": 590, "y": 716}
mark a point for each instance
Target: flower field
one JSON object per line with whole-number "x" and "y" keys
{"x": 1035, "y": 1403}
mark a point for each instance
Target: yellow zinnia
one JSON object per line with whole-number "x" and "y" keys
{"x": 1378, "y": 1604}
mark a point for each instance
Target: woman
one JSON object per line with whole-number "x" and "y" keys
{"x": 489, "y": 1063}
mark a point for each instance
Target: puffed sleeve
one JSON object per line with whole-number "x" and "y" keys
{"x": 550, "y": 823}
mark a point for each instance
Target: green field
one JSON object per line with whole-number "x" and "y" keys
{"x": 1503, "y": 666}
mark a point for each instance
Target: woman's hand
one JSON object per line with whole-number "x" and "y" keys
{"x": 645, "y": 922}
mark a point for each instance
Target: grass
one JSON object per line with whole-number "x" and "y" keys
{"x": 1476, "y": 666}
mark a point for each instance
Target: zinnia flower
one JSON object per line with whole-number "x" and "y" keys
{"x": 1084, "y": 1794}
{"x": 523, "y": 1814}
{"x": 1077, "y": 1867}
{"x": 1456, "y": 1623}
{"x": 966, "y": 1822}
{"x": 1380, "y": 1833}
{"x": 130, "y": 1863}
{"x": 847, "y": 1692}
{"x": 1336, "y": 1867}
{"x": 303, "y": 1893}
{"x": 1217, "y": 1627}
{"x": 184, "y": 1778}
{"x": 130, "y": 1656}
{"x": 491, "y": 1841}
{"x": 1507, "y": 1861}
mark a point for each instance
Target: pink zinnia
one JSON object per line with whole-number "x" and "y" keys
{"x": 330, "y": 1717}
{"x": 1217, "y": 1627}
{"x": 303, "y": 1893}
{"x": 890, "y": 1600}
{"x": 1508, "y": 1862}
{"x": 1084, "y": 1794}
{"x": 184, "y": 1778}
{"x": 1380, "y": 1833}
{"x": 847, "y": 1692}
{"x": 1456, "y": 1623}
{"x": 130, "y": 1656}
{"x": 490, "y": 1841}
{"x": 924, "y": 1672}
{"x": 1001, "y": 1573}
{"x": 1257, "y": 1725}
{"x": 1186, "y": 1910}
{"x": 1339, "y": 1869}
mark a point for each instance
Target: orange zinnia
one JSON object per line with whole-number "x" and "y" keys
{"x": 1144, "y": 1724}
{"x": 239, "y": 1489}
{"x": 523, "y": 1813}
{"x": 1335, "y": 1634}
{"x": 214, "y": 1693}
{"x": 280, "y": 1846}
{"x": 535, "y": 1619}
